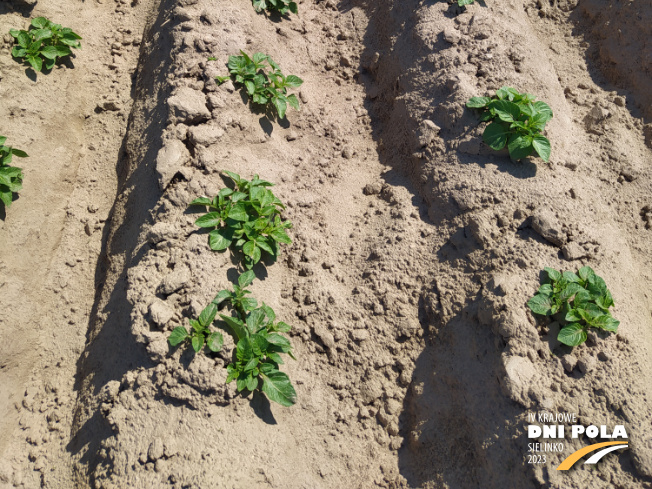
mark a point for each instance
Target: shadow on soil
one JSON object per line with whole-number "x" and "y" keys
{"x": 454, "y": 411}
{"x": 109, "y": 327}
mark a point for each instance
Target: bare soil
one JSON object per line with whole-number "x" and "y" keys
{"x": 415, "y": 246}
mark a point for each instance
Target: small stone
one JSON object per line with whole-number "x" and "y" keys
{"x": 569, "y": 362}
{"x": 347, "y": 153}
{"x": 598, "y": 113}
{"x": 189, "y": 106}
{"x": 292, "y": 136}
{"x": 174, "y": 281}
{"x": 160, "y": 312}
{"x": 360, "y": 334}
{"x": 392, "y": 406}
{"x": 205, "y": 135}
{"x": 170, "y": 159}
{"x": 155, "y": 450}
{"x": 325, "y": 336}
{"x": 452, "y": 35}
{"x": 428, "y": 132}
{"x": 546, "y": 224}
{"x": 586, "y": 363}
{"x": 573, "y": 251}
{"x": 392, "y": 429}
{"x": 619, "y": 101}
{"x": 372, "y": 189}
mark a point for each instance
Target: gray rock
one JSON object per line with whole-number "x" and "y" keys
{"x": 174, "y": 281}
{"x": 586, "y": 363}
{"x": 325, "y": 336}
{"x": 598, "y": 113}
{"x": 452, "y": 35}
{"x": 519, "y": 375}
{"x": 569, "y": 362}
{"x": 170, "y": 159}
{"x": 160, "y": 312}
{"x": 546, "y": 224}
{"x": 428, "y": 132}
{"x": 156, "y": 450}
{"x": 574, "y": 251}
{"x": 372, "y": 189}
{"x": 189, "y": 106}
{"x": 205, "y": 135}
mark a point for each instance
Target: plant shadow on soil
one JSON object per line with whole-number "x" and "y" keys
{"x": 454, "y": 402}
{"x": 18, "y": 6}
{"x": 109, "y": 327}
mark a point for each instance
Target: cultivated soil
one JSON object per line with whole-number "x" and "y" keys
{"x": 415, "y": 246}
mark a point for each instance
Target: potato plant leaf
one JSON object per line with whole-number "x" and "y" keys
{"x": 516, "y": 121}
{"x": 582, "y": 297}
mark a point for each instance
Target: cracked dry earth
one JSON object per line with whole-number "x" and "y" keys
{"x": 415, "y": 246}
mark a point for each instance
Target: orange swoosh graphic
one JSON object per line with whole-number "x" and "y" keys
{"x": 574, "y": 457}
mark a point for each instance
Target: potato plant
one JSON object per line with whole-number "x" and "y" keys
{"x": 516, "y": 120}
{"x": 44, "y": 43}
{"x": 259, "y": 344}
{"x": 582, "y": 300}
{"x": 265, "y": 86}
{"x": 246, "y": 217}
{"x": 280, "y": 6}
{"x": 11, "y": 177}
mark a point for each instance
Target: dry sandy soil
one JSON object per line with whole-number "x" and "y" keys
{"x": 415, "y": 246}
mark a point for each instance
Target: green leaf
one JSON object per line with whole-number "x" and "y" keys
{"x": 208, "y": 315}
{"x": 280, "y": 236}
{"x": 281, "y": 107}
{"x": 283, "y": 327}
{"x": 585, "y": 273}
{"x": 570, "y": 290}
{"x": 178, "y": 335}
{"x": 572, "y": 316}
{"x": 545, "y": 289}
{"x": 236, "y": 326}
{"x": 246, "y": 279}
{"x": 255, "y": 320}
{"x": 572, "y": 335}
{"x": 495, "y": 135}
{"x": 40, "y": 22}
{"x": 607, "y": 322}
{"x": 35, "y": 62}
{"x": 507, "y": 93}
{"x": 205, "y": 201}
{"x": 478, "y": 102}
{"x": 505, "y": 110}
{"x": 570, "y": 277}
{"x": 215, "y": 341}
{"x": 293, "y": 101}
{"x": 210, "y": 220}
{"x": 252, "y": 382}
{"x": 19, "y": 153}
{"x": 542, "y": 146}
{"x": 197, "y": 342}
{"x": 540, "y": 304}
{"x": 554, "y": 275}
{"x": 221, "y": 296}
{"x": 50, "y": 52}
{"x": 280, "y": 341}
{"x": 278, "y": 388}
{"x": 293, "y": 81}
{"x": 543, "y": 109}
{"x": 24, "y": 39}
{"x": 519, "y": 146}
{"x": 218, "y": 241}
{"x": 238, "y": 212}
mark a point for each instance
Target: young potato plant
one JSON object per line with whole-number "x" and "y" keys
{"x": 280, "y": 6}
{"x": 246, "y": 217}
{"x": 264, "y": 87}
{"x": 582, "y": 300}
{"x": 517, "y": 121}
{"x": 464, "y": 3}
{"x": 258, "y": 343}
{"x": 44, "y": 43}
{"x": 11, "y": 177}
